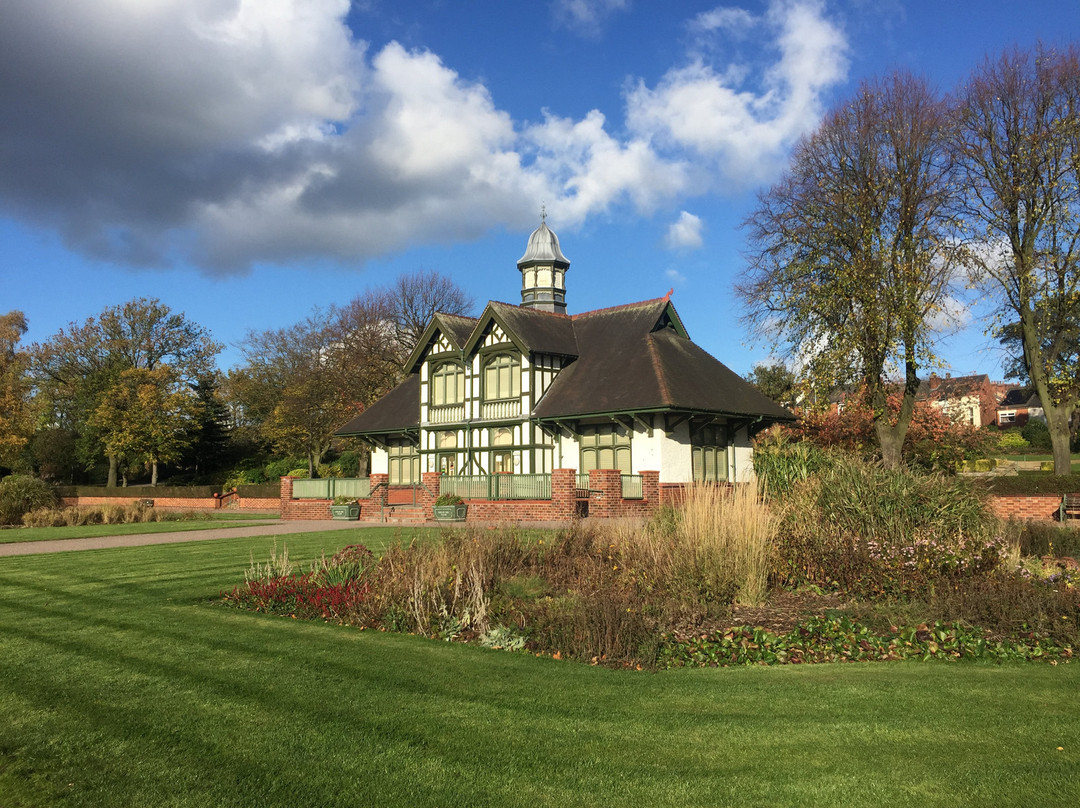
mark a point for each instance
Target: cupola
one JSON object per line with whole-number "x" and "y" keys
{"x": 543, "y": 271}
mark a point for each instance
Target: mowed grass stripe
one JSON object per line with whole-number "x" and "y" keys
{"x": 120, "y": 676}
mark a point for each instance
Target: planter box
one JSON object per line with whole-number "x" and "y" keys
{"x": 345, "y": 512}
{"x": 450, "y": 513}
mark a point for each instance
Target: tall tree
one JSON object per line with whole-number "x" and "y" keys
{"x": 775, "y": 380}
{"x": 850, "y": 256}
{"x": 1018, "y": 143}
{"x": 415, "y": 297}
{"x": 16, "y": 421}
{"x": 147, "y": 417}
{"x": 76, "y": 367}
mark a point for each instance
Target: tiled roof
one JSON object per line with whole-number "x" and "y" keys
{"x": 396, "y": 411}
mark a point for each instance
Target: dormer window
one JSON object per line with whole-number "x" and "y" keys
{"x": 447, "y": 384}
{"x": 502, "y": 377}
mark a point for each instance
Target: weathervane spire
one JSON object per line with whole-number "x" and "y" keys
{"x": 543, "y": 213}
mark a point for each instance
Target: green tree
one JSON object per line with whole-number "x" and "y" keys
{"x": 776, "y": 381}
{"x": 1018, "y": 144}
{"x": 77, "y": 367}
{"x": 851, "y": 259}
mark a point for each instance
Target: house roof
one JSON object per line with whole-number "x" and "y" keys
{"x": 1020, "y": 397}
{"x": 454, "y": 327}
{"x": 634, "y": 358}
{"x": 397, "y": 411}
{"x": 532, "y": 330}
{"x": 937, "y": 388}
{"x": 637, "y": 358}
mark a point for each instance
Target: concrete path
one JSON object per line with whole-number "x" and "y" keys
{"x": 275, "y": 528}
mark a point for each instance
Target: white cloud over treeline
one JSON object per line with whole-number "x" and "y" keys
{"x": 230, "y": 132}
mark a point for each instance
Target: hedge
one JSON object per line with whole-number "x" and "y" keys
{"x": 140, "y": 491}
{"x": 1029, "y": 484}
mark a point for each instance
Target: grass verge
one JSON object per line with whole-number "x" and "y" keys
{"x": 123, "y": 683}
{"x": 20, "y": 534}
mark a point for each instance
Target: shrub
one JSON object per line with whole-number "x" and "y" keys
{"x": 1037, "y": 433}
{"x": 1012, "y": 441}
{"x": 780, "y": 462}
{"x": 20, "y": 494}
{"x": 868, "y": 530}
{"x": 449, "y": 499}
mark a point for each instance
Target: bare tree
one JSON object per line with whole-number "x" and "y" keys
{"x": 850, "y": 257}
{"x": 415, "y": 297}
{"x": 1018, "y": 142}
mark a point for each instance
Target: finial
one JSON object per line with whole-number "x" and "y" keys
{"x": 543, "y": 213}
{"x": 670, "y": 292}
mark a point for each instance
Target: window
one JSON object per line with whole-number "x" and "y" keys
{"x": 502, "y": 457}
{"x": 502, "y": 377}
{"x": 605, "y": 447}
{"x": 708, "y": 448}
{"x": 404, "y": 463}
{"x": 1006, "y": 416}
{"x": 446, "y": 459}
{"x": 447, "y": 384}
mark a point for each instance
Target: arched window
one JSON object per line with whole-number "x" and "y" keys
{"x": 502, "y": 377}
{"x": 447, "y": 384}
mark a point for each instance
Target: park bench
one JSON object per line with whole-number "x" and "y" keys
{"x": 1070, "y": 506}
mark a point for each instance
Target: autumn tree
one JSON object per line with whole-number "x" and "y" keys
{"x": 147, "y": 417}
{"x": 1018, "y": 146}
{"x": 76, "y": 368}
{"x": 850, "y": 257}
{"x": 16, "y": 421}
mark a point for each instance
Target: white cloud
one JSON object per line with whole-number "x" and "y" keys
{"x": 675, "y": 276}
{"x": 685, "y": 233}
{"x": 230, "y": 132}
{"x": 587, "y": 16}
{"x": 743, "y": 130}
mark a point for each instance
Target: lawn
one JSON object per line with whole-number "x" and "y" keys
{"x": 123, "y": 683}
{"x": 19, "y": 534}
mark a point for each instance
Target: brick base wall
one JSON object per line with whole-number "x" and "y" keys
{"x": 1043, "y": 507}
{"x": 180, "y": 503}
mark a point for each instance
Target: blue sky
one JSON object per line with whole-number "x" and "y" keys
{"x": 248, "y": 160}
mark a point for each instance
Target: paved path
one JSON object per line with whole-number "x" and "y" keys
{"x": 275, "y": 528}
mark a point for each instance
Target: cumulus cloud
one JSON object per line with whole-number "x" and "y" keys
{"x": 231, "y": 132}
{"x": 685, "y": 233}
{"x": 745, "y": 129}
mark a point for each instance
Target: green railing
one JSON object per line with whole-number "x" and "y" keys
{"x": 330, "y": 487}
{"x": 497, "y": 486}
{"x": 631, "y": 487}
{"x": 582, "y": 481}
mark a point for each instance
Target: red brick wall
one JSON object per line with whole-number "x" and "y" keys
{"x": 1029, "y": 506}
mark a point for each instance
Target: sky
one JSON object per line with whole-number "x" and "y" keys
{"x": 247, "y": 161}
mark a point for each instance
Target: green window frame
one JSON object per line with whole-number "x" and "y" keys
{"x": 709, "y": 454}
{"x": 502, "y": 377}
{"x": 404, "y": 463}
{"x": 447, "y": 384}
{"x": 606, "y": 446}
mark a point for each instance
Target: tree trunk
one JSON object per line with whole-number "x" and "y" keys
{"x": 1058, "y": 419}
{"x": 153, "y": 472}
{"x": 112, "y": 472}
{"x": 311, "y": 466}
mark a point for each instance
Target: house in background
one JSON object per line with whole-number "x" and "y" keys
{"x": 528, "y": 389}
{"x": 1019, "y": 405}
{"x": 968, "y": 400}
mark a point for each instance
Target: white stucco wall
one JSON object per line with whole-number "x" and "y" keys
{"x": 380, "y": 461}
{"x": 743, "y": 457}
